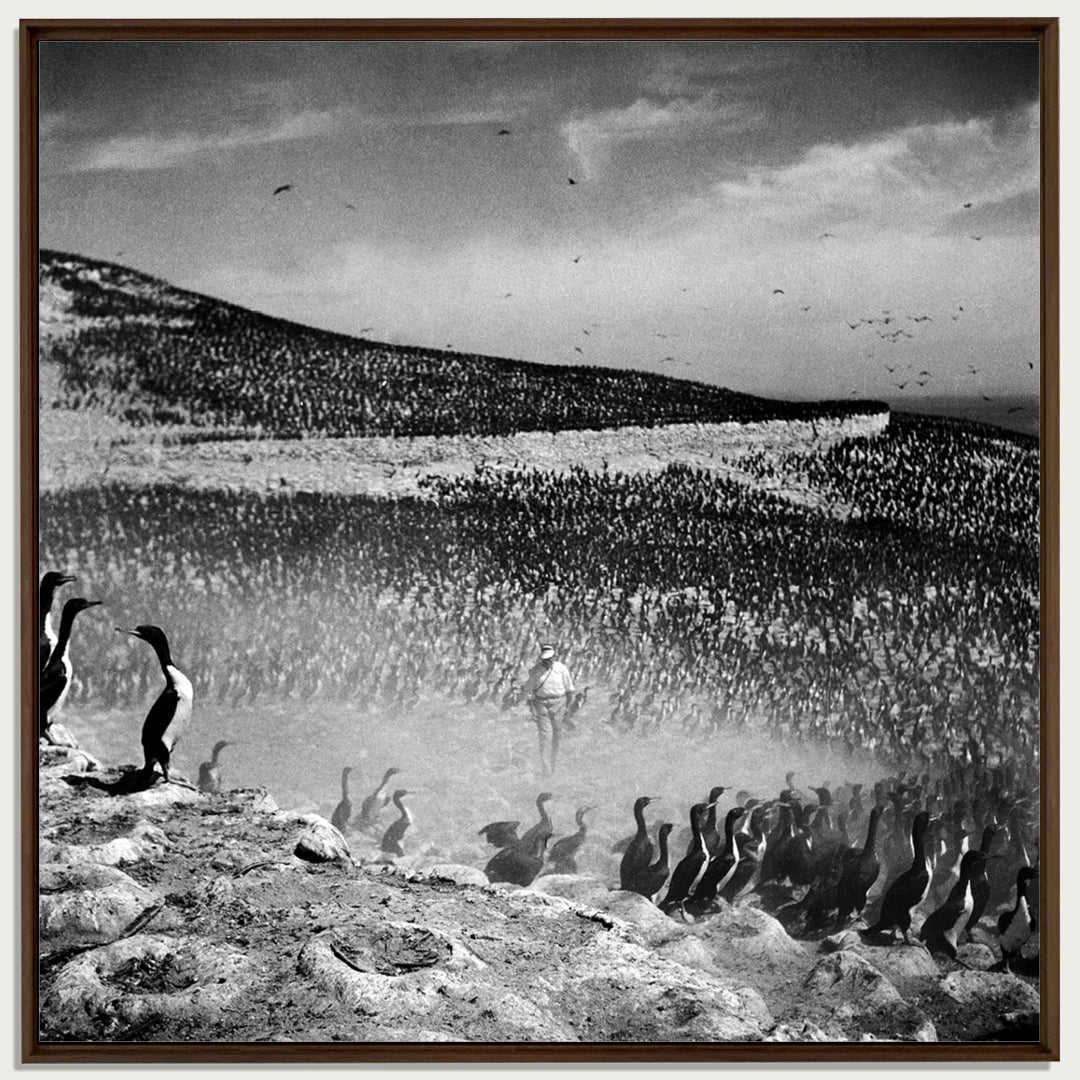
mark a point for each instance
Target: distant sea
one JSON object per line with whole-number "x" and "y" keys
{"x": 1014, "y": 413}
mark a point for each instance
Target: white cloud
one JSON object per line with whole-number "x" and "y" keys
{"x": 911, "y": 179}
{"x": 593, "y": 136}
{"x": 144, "y": 152}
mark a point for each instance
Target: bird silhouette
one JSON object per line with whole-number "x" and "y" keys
{"x": 283, "y": 187}
{"x": 967, "y": 205}
{"x": 503, "y": 131}
{"x": 570, "y": 180}
{"x": 349, "y": 206}
{"x": 780, "y": 291}
{"x": 976, "y": 238}
{"x": 577, "y": 260}
{"x": 576, "y": 349}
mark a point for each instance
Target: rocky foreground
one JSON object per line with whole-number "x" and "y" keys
{"x": 173, "y": 916}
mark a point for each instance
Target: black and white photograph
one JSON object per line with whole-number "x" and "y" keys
{"x": 539, "y": 541}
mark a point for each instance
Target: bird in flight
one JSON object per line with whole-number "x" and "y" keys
{"x": 899, "y": 385}
{"x": 282, "y": 187}
{"x": 780, "y": 291}
{"x": 807, "y": 308}
{"x": 570, "y": 180}
{"x": 577, "y": 260}
{"x": 1015, "y": 408}
{"x": 507, "y": 295}
{"x": 576, "y": 349}
{"x": 985, "y": 398}
{"x": 503, "y": 131}
{"x": 1031, "y": 366}
{"x": 365, "y": 329}
{"x": 827, "y": 236}
{"x": 669, "y": 359}
{"x": 349, "y": 206}
{"x": 976, "y": 238}
{"x": 967, "y": 205}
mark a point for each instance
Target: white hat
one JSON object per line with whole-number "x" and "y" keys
{"x": 546, "y": 650}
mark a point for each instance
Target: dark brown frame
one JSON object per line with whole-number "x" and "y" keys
{"x": 1043, "y": 30}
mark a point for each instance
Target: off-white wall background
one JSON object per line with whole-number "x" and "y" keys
{"x": 9, "y": 465}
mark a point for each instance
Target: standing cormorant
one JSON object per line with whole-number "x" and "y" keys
{"x": 209, "y": 773}
{"x": 563, "y": 853}
{"x": 720, "y": 869}
{"x": 861, "y": 870}
{"x": 55, "y": 679}
{"x": 170, "y": 714}
{"x": 752, "y": 847}
{"x": 687, "y": 874}
{"x": 518, "y": 864}
{"x": 50, "y": 582}
{"x": 343, "y": 811}
{"x": 709, "y": 832}
{"x": 943, "y": 925}
{"x": 653, "y": 878}
{"x": 909, "y": 890}
{"x": 638, "y": 854}
{"x": 376, "y": 802}
{"x": 391, "y": 841}
{"x": 1017, "y": 925}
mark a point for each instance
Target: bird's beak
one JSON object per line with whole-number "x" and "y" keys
{"x": 125, "y": 630}
{"x": 94, "y": 603}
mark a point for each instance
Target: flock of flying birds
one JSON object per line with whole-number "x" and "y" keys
{"x": 889, "y": 327}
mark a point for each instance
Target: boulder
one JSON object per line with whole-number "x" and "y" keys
{"x": 851, "y": 978}
{"x": 460, "y": 875}
{"x": 320, "y": 842}
{"x": 83, "y": 904}
{"x": 1000, "y": 992}
{"x": 99, "y": 994}
{"x": 690, "y": 951}
{"x": 738, "y": 935}
{"x": 902, "y": 965}
{"x": 588, "y": 890}
{"x": 977, "y": 957}
{"x": 800, "y": 1031}
{"x": 643, "y": 915}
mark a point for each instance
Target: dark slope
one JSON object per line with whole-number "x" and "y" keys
{"x": 156, "y": 354}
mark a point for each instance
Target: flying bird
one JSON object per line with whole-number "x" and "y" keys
{"x": 827, "y": 235}
{"x": 570, "y": 180}
{"x": 576, "y": 260}
{"x": 503, "y": 131}
{"x": 281, "y": 188}
{"x": 968, "y": 206}
{"x": 807, "y": 308}
{"x": 349, "y": 206}
{"x": 780, "y": 291}
{"x": 576, "y": 349}
{"x": 976, "y": 238}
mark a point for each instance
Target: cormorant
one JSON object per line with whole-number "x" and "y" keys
{"x": 50, "y": 582}
{"x": 343, "y": 811}
{"x": 639, "y": 852}
{"x": 709, "y": 832}
{"x": 376, "y": 802}
{"x": 391, "y": 841}
{"x": 752, "y": 847}
{"x": 209, "y": 773}
{"x": 1017, "y": 925}
{"x": 980, "y": 883}
{"x": 909, "y": 890}
{"x": 55, "y": 679}
{"x": 170, "y": 714}
{"x": 519, "y": 864}
{"x": 561, "y": 857}
{"x": 861, "y": 871}
{"x": 720, "y": 869}
{"x": 687, "y": 874}
{"x": 500, "y": 834}
{"x": 943, "y": 925}
{"x": 652, "y": 879}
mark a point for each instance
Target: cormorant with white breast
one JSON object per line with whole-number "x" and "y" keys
{"x": 343, "y": 811}
{"x": 861, "y": 871}
{"x": 909, "y": 890}
{"x": 1017, "y": 925}
{"x": 170, "y": 715}
{"x": 720, "y": 869}
{"x": 391, "y": 841}
{"x": 55, "y": 679}
{"x": 942, "y": 927}
{"x": 50, "y": 582}
{"x": 690, "y": 868}
{"x": 209, "y": 771}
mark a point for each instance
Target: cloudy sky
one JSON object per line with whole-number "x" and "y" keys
{"x": 788, "y": 219}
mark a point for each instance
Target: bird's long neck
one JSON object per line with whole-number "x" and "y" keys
{"x": 639, "y": 817}
{"x": 545, "y": 817}
{"x": 710, "y": 819}
{"x": 67, "y": 623}
{"x": 344, "y": 782}
{"x": 662, "y": 843}
{"x": 405, "y": 814}
{"x": 214, "y": 755}
{"x": 45, "y": 600}
{"x": 918, "y": 844}
{"x": 385, "y": 780}
{"x": 164, "y": 656}
{"x": 871, "y": 835}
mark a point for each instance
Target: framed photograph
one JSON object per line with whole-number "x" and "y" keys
{"x": 540, "y": 540}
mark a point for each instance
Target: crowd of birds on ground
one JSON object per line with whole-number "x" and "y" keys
{"x": 704, "y": 601}
{"x": 812, "y": 862}
{"x": 225, "y": 368}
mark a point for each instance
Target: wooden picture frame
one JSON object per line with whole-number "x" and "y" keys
{"x": 1043, "y": 31}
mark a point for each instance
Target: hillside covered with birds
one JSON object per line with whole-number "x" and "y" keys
{"x": 154, "y": 354}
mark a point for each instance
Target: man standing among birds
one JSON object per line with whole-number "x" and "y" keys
{"x": 548, "y": 689}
